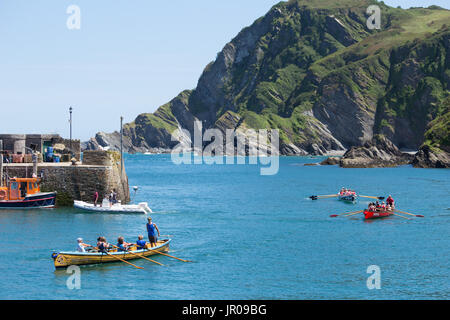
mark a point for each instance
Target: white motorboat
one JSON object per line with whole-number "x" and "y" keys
{"x": 106, "y": 207}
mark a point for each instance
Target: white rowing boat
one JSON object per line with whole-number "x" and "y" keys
{"x": 141, "y": 208}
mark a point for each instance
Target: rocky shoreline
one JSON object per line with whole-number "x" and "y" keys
{"x": 381, "y": 153}
{"x": 378, "y": 153}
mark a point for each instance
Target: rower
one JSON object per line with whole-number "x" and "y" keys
{"x": 123, "y": 246}
{"x": 141, "y": 243}
{"x": 102, "y": 245}
{"x": 81, "y": 245}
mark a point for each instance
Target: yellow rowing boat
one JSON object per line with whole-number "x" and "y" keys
{"x": 68, "y": 258}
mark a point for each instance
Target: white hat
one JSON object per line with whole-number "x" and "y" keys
{"x": 80, "y": 239}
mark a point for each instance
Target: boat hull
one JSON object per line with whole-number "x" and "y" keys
{"x": 369, "y": 215}
{"x": 348, "y": 198}
{"x": 66, "y": 259}
{"x": 35, "y": 201}
{"x": 142, "y": 208}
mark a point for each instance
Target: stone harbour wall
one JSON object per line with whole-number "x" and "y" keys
{"x": 79, "y": 182}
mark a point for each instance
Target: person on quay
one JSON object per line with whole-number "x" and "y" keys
{"x": 152, "y": 229}
{"x": 81, "y": 245}
{"x": 123, "y": 246}
{"x": 141, "y": 243}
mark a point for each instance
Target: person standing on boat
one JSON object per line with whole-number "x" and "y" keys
{"x": 390, "y": 201}
{"x": 81, "y": 246}
{"x": 114, "y": 196}
{"x": 152, "y": 229}
{"x": 95, "y": 198}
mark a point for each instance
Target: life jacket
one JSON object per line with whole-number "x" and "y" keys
{"x": 101, "y": 247}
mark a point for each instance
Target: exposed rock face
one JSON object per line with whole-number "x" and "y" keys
{"x": 431, "y": 158}
{"x": 316, "y": 73}
{"x": 379, "y": 153}
{"x": 331, "y": 161}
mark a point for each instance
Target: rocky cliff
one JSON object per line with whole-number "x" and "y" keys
{"x": 313, "y": 70}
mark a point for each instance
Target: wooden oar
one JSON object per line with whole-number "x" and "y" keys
{"x": 323, "y": 197}
{"x": 141, "y": 256}
{"x": 401, "y": 216}
{"x": 123, "y": 260}
{"x": 165, "y": 254}
{"x": 349, "y": 215}
{"x": 410, "y": 214}
{"x": 338, "y": 215}
{"x": 370, "y": 197}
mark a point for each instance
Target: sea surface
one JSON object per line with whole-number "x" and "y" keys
{"x": 249, "y": 236}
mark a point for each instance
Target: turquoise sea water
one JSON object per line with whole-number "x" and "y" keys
{"x": 250, "y": 236}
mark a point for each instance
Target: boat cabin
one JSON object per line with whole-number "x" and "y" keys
{"x": 19, "y": 188}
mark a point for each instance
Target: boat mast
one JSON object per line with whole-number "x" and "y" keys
{"x": 70, "y": 120}
{"x": 121, "y": 145}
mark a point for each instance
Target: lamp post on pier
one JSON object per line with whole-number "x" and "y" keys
{"x": 70, "y": 121}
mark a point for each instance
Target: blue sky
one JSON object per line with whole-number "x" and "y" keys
{"x": 129, "y": 57}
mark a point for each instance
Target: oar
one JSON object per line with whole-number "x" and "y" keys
{"x": 119, "y": 258}
{"x": 414, "y": 215}
{"x": 401, "y": 216}
{"x": 349, "y": 215}
{"x": 165, "y": 254}
{"x": 323, "y": 197}
{"x": 140, "y": 256}
{"x": 376, "y": 198}
{"x": 123, "y": 260}
{"x": 338, "y": 215}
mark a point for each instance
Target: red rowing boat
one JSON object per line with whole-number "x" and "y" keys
{"x": 377, "y": 214}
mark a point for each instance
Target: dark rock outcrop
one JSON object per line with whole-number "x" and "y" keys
{"x": 331, "y": 161}
{"x": 428, "y": 157}
{"x": 380, "y": 152}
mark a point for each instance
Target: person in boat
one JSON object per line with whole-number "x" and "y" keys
{"x": 390, "y": 201}
{"x": 152, "y": 229}
{"x": 141, "y": 243}
{"x": 377, "y": 205}
{"x": 372, "y": 206}
{"x": 342, "y": 191}
{"x": 102, "y": 244}
{"x": 81, "y": 245}
{"x": 383, "y": 205}
{"x": 95, "y": 198}
{"x": 123, "y": 246}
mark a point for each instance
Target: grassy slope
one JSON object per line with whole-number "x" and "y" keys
{"x": 367, "y": 57}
